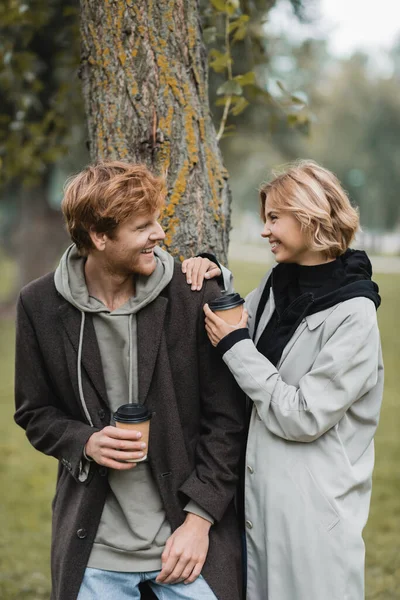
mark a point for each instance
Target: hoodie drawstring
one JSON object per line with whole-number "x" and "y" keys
{"x": 130, "y": 360}
{"x": 79, "y": 369}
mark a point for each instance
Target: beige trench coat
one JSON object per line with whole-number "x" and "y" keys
{"x": 310, "y": 452}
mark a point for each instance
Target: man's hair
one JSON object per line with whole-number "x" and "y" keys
{"x": 317, "y": 200}
{"x": 107, "y": 194}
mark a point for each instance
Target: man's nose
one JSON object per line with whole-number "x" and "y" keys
{"x": 158, "y": 233}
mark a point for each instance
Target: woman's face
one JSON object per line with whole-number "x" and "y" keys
{"x": 287, "y": 240}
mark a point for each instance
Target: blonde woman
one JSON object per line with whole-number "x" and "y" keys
{"x": 309, "y": 361}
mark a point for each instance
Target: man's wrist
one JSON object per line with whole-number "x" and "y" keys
{"x": 197, "y": 521}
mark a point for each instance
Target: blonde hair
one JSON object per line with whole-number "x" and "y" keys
{"x": 104, "y": 195}
{"x": 317, "y": 200}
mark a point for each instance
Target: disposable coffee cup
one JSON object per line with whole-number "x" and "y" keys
{"x": 134, "y": 417}
{"x": 228, "y": 307}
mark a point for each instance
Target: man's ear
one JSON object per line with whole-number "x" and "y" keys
{"x": 98, "y": 239}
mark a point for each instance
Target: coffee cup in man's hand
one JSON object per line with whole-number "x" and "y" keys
{"x": 134, "y": 417}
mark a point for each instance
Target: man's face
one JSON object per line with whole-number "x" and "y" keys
{"x": 131, "y": 250}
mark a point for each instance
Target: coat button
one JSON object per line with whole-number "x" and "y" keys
{"x": 250, "y": 469}
{"x": 102, "y": 414}
{"x": 103, "y": 471}
{"x": 81, "y": 533}
{"x": 249, "y": 524}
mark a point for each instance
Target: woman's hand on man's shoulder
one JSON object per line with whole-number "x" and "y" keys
{"x": 197, "y": 269}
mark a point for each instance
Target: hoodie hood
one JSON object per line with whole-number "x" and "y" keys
{"x": 70, "y": 282}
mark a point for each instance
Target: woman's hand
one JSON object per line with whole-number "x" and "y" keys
{"x": 217, "y": 328}
{"x": 197, "y": 269}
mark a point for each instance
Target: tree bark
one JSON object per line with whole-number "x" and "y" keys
{"x": 144, "y": 72}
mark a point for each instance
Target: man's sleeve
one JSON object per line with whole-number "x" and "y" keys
{"x": 38, "y": 411}
{"x": 212, "y": 484}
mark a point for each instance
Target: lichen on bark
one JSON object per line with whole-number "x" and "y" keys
{"x": 144, "y": 72}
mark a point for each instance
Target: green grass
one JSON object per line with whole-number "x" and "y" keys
{"x": 27, "y": 479}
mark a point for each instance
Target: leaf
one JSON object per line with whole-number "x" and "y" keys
{"x": 246, "y": 79}
{"x": 219, "y": 61}
{"x": 210, "y": 35}
{"x": 243, "y": 19}
{"x": 228, "y": 7}
{"x": 239, "y": 27}
{"x": 230, "y": 88}
{"x": 239, "y": 106}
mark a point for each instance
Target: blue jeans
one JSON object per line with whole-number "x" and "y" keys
{"x": 109, "y": 585}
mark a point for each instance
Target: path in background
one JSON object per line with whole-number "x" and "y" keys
{"x": 262, "y": 254}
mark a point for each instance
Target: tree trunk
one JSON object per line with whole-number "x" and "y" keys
{"x": 144, "y": 72}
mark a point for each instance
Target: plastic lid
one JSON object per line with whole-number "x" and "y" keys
{"x": 226, "y": 302}
{"x": 132, "y": 413}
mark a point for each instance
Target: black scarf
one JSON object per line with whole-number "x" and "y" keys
{"x": 300, "y": 291}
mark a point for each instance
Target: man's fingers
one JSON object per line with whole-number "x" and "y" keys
{"x": 117, "y": 444}
{"x": 187, "y": 571}
{"x": 121, "y": 434}
{"x": 122, "y": 455}
{"x": 167, "y": 568}
{"x": 195, "y": 573}
{"x": 177, "y": 573}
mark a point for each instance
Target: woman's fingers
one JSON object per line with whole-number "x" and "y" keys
{"x": 197, "y": 269}
{"x": 213, "y": 271}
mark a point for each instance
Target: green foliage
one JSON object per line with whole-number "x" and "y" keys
{"x": 41, "y": 101}
{"x": 41, "y": 113}
{"x": 239, "y": 24}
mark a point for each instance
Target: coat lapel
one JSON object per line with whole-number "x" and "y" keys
{"x": 150, "y": 321}
{"x": 91, "y": 359}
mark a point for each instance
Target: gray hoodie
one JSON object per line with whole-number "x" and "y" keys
{"x": 133, "y": 527}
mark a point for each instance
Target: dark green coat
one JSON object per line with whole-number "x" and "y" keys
{"x": 196, "y": 432}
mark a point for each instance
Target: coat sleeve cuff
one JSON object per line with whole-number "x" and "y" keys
{"x": 232, "y": 338}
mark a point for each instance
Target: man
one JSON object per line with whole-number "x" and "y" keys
{"x": 117, "y": 323}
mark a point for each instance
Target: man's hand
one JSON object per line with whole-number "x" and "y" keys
{"x": 197, "y": 269}
{"x": 111, "y": 445}
{"x": 216, "y": 327}
{"x": 185, "y": 551}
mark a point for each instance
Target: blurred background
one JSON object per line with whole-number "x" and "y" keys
{"x": 329, "y": 74}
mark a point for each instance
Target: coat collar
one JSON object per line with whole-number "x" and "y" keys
{"x": 315, "y": 320}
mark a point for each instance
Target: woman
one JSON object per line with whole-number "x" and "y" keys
{"x": 310, "y": 362}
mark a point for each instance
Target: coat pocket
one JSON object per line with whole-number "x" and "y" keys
{"x": 313, "y": 496}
